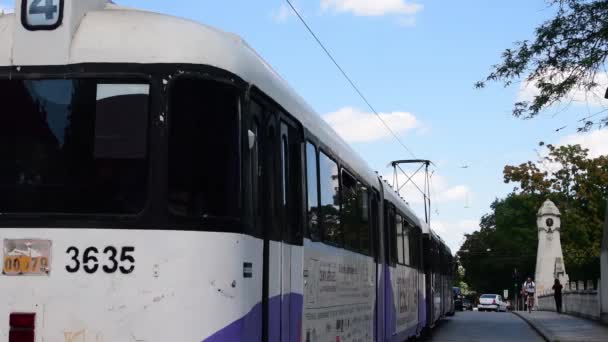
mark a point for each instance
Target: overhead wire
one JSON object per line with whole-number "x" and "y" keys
{"x": 350, "y": 81}
{"x": 360, "y": 93}
{"x": 348, "y": 78}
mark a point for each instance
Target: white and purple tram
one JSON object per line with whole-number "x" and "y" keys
{"x": 160, "y": 182}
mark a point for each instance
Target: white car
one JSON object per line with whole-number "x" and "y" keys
{"x": 491, "y": 302}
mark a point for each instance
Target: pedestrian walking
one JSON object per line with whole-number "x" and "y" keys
{"x": 557, "y": 294}
{"x": 529, "y": 289}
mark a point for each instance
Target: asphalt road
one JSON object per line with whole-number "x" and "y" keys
{"x": 473, "y": 326}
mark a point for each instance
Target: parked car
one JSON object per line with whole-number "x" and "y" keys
{"x": 491, "y": 302}
{"x": 467, "y": 305}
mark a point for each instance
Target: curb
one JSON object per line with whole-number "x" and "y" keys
{"x": 546, "y": 335}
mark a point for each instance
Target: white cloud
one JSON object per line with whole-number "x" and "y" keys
{"x": 456, "y": 193}
{"x": 354, "y": 125}
{"x": 595, "y": 141}
{"x": 452, "y": 232}
{"x": 441, "y": 190}
{"x": 593, "y": 97}
{"x": 282, "y": 14}
{"x": 372, "y": 7}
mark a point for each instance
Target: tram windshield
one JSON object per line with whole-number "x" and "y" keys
{"x": 73, "y": 146}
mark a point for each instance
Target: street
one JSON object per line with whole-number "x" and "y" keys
{"x": 476, "y": 326}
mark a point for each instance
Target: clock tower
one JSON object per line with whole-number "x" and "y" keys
{"x": 549, "y": 257}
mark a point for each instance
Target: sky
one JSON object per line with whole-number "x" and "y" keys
{"x": 416, "y": 62}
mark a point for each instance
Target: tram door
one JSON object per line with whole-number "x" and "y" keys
{"x": 376, "y": 238}
{"x": 292, "y": 253}
{"x": 279, "y": 213}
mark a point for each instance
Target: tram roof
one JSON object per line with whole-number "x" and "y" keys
{"x": 108, "y": 33}
{"x": 427, "y": 230}
{"x": 391, "y": 194}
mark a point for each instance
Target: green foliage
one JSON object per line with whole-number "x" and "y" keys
{"x": 465, "y": 289}
{"x": 577, "y": 184}
{"x": 579, "y": 187}
{"x": 509, "y": 231}
{"x": 566, "y": 54}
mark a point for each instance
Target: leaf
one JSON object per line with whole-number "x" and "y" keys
{"x": 566, "y": 54}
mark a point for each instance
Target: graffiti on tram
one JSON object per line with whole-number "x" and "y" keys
{"x": 405, "y": 285}
{"x": 338, "y": 297}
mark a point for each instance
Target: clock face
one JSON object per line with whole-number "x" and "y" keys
{"x": 549, "y": 222}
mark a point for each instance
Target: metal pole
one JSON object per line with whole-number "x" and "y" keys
{"x": 396, "y": 178}
{"x": 426, "y": 216}
{"x": 515, "y": 299}
{"x": 428, "y": 182}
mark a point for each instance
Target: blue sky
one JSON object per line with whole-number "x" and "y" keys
{"x": 416, "y": 61}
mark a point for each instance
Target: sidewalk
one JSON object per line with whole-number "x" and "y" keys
{"x": 564, "y": 328}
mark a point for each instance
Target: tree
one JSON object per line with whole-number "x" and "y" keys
{"x": 507, "y": 240}
{"x": 566, "y": 55}
{"x": 577, "y": 184}
{"x": 579, "y": 187}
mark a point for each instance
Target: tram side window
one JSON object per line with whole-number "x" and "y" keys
{"x": 437, "y": 256}
{"x": 284, "y": 169}
{"x": 429, "y": 253}
{"x": 313, "y": 194}
{"x": 364, "y": 227}
{"x": 255, "y": 111}
{"x": 407, "y": 230}
{"x": 73, "y": 146}
{"x": 399, "y": 236}
{"x": 330, "y": 200}
{"x": 446, "y": 262}
{"x": 426, "y": 253}
{"x": 350, "y": 218}
{"x": 415, "y": 246}
{"x": 441, "y": 260}
{"x": 374, "y": 224}
{"x": 452, "y": 269}
{"x": 203, "y": 151}
{"x": 355, "y": 214}
{"x": 433, "y": 255}
{"x": 291, "y": 165}
{"x": 420, "y": 253}
{"x": 391, "y": 234}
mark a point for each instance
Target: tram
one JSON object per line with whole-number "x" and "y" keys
{"x": 160, "y": 182}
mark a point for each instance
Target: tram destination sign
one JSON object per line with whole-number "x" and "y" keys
{"x": 26, "y": 257}
{"x": 41, "y": 14}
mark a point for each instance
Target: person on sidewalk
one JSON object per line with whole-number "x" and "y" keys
{"x": 557, "y": 294}
{"x": 529, "y": 289}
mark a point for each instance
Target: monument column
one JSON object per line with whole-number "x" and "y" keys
{"x": 549, "y": 257}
